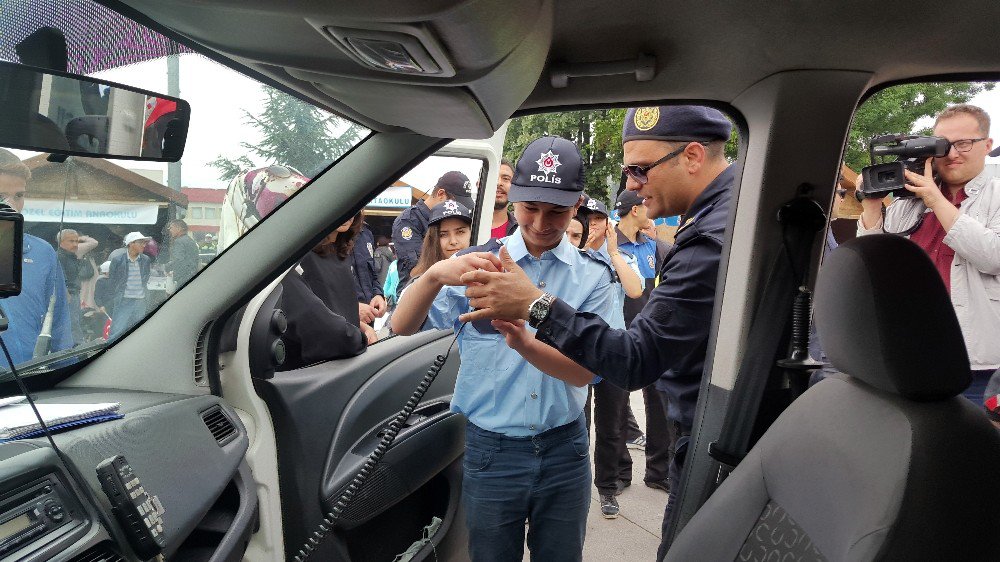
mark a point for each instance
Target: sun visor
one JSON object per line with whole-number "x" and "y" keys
{"x": 432, "y": 111}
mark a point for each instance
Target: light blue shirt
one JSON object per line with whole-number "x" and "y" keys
{"x": 617, "y": 318}
{"x": 497, "y": 389}
{"x": 133, "y": 283}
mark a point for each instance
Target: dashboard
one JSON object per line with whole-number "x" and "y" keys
{"x": 186, "y": 475}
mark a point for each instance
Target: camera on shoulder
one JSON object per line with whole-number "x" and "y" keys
{"x": 887, "y": 178}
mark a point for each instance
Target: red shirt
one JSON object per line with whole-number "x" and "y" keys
{"x": 499, "y": 231}
{"x": 930, "y": 236}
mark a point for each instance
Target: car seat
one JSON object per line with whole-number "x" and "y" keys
{"x": 884, "y": 462}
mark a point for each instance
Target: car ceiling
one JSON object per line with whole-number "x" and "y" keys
{"x": 502, "y": 51}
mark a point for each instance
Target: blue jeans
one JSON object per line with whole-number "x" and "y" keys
{"x": 543, "y": 479}
{"x": 127, "y": 313}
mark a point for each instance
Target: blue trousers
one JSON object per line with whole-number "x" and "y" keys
{"x": 543, "y": 479}
{"x": 127, "y": 314}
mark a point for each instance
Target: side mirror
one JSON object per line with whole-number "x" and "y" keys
{"x": 60, "y": 113}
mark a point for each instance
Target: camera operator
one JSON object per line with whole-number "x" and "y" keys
{"x": 955, "y": 218}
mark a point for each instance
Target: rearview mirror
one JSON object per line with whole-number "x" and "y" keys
{"x": 56, "y": 112}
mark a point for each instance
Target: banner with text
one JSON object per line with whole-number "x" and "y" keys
{"x": 89, "y": 212}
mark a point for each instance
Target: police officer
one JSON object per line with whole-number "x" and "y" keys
{"x": 409, "y": 227}
{"x": 366, "y": 283}
{"x": 675, "y": 161}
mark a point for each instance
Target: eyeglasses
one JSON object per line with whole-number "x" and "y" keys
{"x": 638, "y": 173}
{"x": 965, "y": 145}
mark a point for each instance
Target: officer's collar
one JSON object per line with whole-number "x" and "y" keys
{"x": 517, "y": 249}
{"x": 716, "y": 187}
{"x": 640, "y": 237}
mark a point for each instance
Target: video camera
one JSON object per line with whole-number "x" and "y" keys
{"x": 881, "y": 179}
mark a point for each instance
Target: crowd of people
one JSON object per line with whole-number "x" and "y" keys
{"x": 74, "y": 291}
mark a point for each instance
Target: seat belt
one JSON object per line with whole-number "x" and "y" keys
{"x": 800, "y": 219}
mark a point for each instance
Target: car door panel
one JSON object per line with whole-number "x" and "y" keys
{"x": 327, "y": 420}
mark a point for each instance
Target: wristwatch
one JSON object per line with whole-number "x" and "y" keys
{"x": 539, "y": 309}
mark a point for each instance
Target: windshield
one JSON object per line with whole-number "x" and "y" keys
{"x": 107, "y": 241}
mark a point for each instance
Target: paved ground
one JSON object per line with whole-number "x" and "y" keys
{"x": 635, "y": 534}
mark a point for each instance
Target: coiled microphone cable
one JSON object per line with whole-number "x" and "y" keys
{"x": 347, "y": 496}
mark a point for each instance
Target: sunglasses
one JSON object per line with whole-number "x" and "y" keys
{"x": 640, "y": 173}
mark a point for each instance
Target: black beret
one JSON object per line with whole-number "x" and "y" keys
{"x": 675, "y": 123}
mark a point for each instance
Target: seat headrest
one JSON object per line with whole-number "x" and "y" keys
{"x": 883, "y": 315}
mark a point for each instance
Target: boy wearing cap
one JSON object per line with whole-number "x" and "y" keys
{"x": 675, "y": 161}
{"x": 526, "y": 454}
{"x": 410, "y": 226}
{"x": 128, "y": 274}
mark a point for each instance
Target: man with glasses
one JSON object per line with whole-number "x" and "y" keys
{"x": 955, "y": 218}
{"x": 675, "y": 161}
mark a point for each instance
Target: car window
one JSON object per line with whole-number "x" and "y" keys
{"x": 946, "y": 132}
{"x": 249, "y": 148}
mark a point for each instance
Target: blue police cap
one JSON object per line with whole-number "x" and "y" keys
{"x": 450, "y": 209}
{"x": 626, "y": 200}
{"x": 591, "y": 205}
{"x": 675, "y": 123}
{"x": 549, "y": 170}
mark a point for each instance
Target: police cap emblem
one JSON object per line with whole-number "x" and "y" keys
{"x": 646, "y": 118}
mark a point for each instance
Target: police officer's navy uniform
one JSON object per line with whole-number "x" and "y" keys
{"x": 366, "y": 283}
{"x": 407, "y": 236}
{"x": 667, "y": 341}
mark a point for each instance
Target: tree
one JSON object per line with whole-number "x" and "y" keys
{"x": 897, "y": 109}
{"x": 294, "y": 134}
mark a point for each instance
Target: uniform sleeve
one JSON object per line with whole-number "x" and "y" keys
{"x": 321, "y": 334}
{"x": 448, "y": 305}
{"x": 407, "y": 250}
{"x": 673, "y": 325}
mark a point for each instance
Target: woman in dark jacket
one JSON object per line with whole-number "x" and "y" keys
{"x": 320, "y": 303}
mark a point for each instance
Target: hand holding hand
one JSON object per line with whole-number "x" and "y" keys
{"x": 379, "y": 306}
{"x": 516, "y": 333}
{"x": 365, "y": 313}
{"x": 450, "y": 271}
{"x": 506, "y": 294}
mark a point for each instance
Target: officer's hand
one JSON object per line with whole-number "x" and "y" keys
{"x": 369, "y": 332}
{"x": 365, "y": 313}
{"x": 924, "y": 186}
{"x": 450, "y": 271}
{"x": 516, "y": 333}
{"x": 379, "y": 306}
{"x": 505, "y": 295}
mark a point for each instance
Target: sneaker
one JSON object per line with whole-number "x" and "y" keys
{"x": 620, "y": 486}
{"x": 659, "y": 485}
{"x": 609, "y": 507}
{"x": 637, "y": 443}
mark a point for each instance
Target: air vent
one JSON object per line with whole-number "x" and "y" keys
{"x": 200, "y": 361}
{"x": 98, "y": 553}
{"x": 219, "y": 424}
